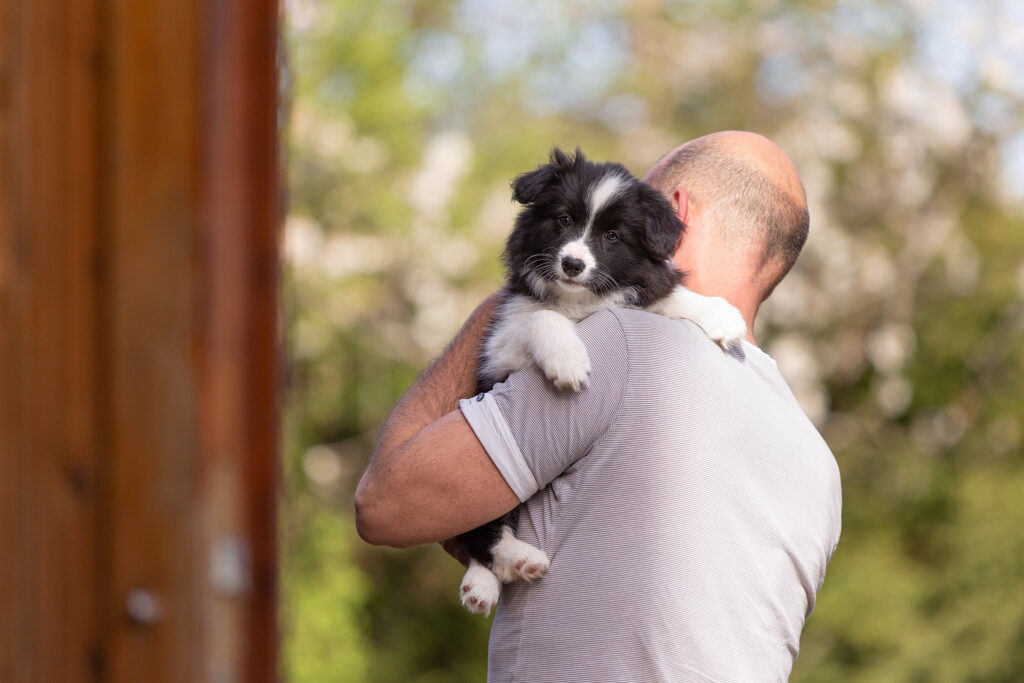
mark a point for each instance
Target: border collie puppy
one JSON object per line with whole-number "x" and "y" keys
{"x": 589, "y": 236}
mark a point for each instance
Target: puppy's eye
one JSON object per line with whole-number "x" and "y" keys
{"x": 564, "y": 221}
{"x": 611, "y": 236}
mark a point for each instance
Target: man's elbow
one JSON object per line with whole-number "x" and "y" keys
{"x": 368, "y": 524}
{"x": 375, "y": 518}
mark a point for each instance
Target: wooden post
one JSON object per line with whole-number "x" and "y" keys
{"x": 138, "y": 352}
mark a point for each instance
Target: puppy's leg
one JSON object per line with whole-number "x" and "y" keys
{"x": 558, "y": 350}
{"x": 515, "y": 559}
{"x": 480, "y": 589}
{"x": 505, "y": 349}
{"x": 717, "y": 317}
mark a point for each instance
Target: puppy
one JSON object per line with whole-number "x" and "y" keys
{"x": 589, "y": 236}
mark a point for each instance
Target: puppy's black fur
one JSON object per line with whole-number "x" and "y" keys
{"x": 631, "y": 238}
{"x": 647, "y": 227}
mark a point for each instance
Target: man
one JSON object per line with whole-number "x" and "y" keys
{"x": 688, "y": 506}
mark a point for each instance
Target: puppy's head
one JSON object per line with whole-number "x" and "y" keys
{"x": 591, "y": 226}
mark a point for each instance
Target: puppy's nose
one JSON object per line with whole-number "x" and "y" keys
{"x": 572, "y": 266}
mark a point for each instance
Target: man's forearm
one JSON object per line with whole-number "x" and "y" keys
{"x": 390, "y": 477}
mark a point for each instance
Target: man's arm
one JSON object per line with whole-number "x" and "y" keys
{"x": 429, "y": 478}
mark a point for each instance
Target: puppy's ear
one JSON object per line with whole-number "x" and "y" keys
{"x": 664, "y": 229}
{"x": 527, "y": 187}
{"x": 560, "y": 158}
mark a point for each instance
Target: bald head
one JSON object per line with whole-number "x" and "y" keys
{"x": 749, "y": 186}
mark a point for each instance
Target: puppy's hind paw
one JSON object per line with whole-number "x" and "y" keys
{"x": 480, "y": 589}
{"x": 515, "y": 559}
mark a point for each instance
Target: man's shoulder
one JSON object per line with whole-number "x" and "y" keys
{"x": 643, "y": 329}
{"x": 634, "y": 341}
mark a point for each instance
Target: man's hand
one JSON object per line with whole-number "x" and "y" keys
{"x": 454, "y": 547}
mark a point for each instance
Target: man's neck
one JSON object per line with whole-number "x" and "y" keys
{"x": 740, "y": 295}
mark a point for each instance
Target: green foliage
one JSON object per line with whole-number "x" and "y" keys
{"x": 888, "y": 616}
{"x": 899, "y": 328}
{"x": 327, "y": 642}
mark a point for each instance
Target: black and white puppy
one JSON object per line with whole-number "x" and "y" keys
{"x": 589, "y": 236}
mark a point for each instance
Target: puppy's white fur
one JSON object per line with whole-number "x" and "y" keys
{"x": 480, "y": 589}
{"x": 544, "y": 332}
{"x": 719, "y": 319}
{"x": 605, "y": 191}
{"x": 515, "y": 559}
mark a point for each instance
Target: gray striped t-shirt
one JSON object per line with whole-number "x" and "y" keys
{"x": 688, "y": 506}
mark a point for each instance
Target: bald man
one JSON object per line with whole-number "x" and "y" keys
{"x": 688, "y": 506}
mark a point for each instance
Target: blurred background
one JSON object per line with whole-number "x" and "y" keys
{"x": 899, "y": 329}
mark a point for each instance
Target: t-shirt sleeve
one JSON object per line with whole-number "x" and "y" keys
{"x": 532, "y": 431}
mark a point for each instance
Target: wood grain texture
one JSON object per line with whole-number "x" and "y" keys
{"x": 151, "y": 139}
{"x": 138, "y": 339}
{"x": 240, "y": 283}
{"x": 48, "y": 457}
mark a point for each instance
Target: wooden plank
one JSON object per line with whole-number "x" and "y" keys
{"x": 151, "y": 389}
{"x": 138, "y": 356}
{"x": 14, "y": 631}
{"x": 82, "y": 583}
{"x": 241, "y": 214}
{"x": 47, "y": 319}
{"x": 227, "y": 245}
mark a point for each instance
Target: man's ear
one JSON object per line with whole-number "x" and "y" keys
{"x": 681, "y": 204}
{"x": 527, "y": 187}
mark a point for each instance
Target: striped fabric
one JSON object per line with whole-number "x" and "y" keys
{"x": 688, "y": 506}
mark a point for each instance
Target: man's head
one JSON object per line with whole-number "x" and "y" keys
{"x": 745, "y": 208}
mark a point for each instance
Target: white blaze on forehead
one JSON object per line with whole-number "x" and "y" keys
{"x": 604, "y": 191}
{"x": 601, "y": 193}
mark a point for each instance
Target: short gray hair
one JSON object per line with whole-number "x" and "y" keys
{"x": 750, "y": 206}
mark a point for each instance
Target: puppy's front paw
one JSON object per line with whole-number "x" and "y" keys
{"x": 567, "y": 368}
{"x": 480, "y": 589}
{"x": 558, "y": 350}
{"x": 719, "y": 319}
{"x": 723, "y": 322}
{"x": 515, "y": 559}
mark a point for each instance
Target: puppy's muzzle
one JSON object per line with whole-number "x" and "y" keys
{"x": 572, "y": 266}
